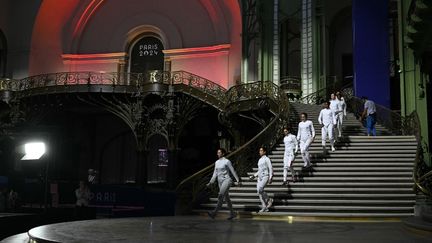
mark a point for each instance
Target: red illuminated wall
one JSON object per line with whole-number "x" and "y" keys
{"x": 47, "y": 42}
{"x": 95, "y": 35}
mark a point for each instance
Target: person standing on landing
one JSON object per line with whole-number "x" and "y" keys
{"x": 306, "y": 135}
{"x": 265, "y": 176}
{"x": 291, "y": 147}
{"x": 327, "y": 119}
{"x": 221, "y": 171}
{"x": 369, "y": 113}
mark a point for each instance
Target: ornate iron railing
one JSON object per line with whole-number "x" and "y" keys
{"x": 200, "y": 83}
{"x": 250, "y": 91}
{"x": 291, "y": 86}
{"x": 394, "y": 122}
{"x": 190, "y": 83}
{"x": 192, "y": 189}
{"x": 422, "y": 173}
{"x": 8, "y": 84}
{"x": 323, "y": 94}
{"x": 316, "y": 98}
{"x": 399, "y": 125}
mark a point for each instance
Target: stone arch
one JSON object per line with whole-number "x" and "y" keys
{"x": 137, "y": 34}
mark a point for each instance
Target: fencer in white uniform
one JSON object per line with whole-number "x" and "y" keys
{"x": 291, "y": 147}
{"x": 305, "y": 135}
{"x": 336, "y": 107}
{"x": 264, "y": 176}
{"x": 221, "y": 171}
{"x": 327, "y": 119}
{"x": 341, "y": 116}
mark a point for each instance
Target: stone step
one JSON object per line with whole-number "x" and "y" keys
{"x": 350, "y": 164}
{"x": 343, "y": 208}
{"x": 321, "y": 195}
{"x": 312, "y": 208}
{"x": 322, "y": 208}
{"x": 321, "y": 214}
{"x": 344, "y": 155}
{"x": 343, "y": 173}
{"x": 333, "y": 184}
{"x": 340, "y": 147}
{"x": 378, "y": 138}
{"x": 361, "y": 152}
{"x": 364, "y": 177}
{"x": 338, "y": 214}
{"x": 347, "y": 126}
{"x": 365, "y": 144}
{"x": 358, "y": 142}
{"x": 321, "y": 201}
{"x": 337, "y": 169}
{"x": 284, "y": 189}
{"x": 344, "y": 178}
{"x": 298, "y": 158}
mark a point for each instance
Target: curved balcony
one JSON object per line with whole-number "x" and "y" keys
{"x": 130, "y": 83}
{"x": 291, "y": 85}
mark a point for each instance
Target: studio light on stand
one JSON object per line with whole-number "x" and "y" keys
{"x": 34, "y": 151}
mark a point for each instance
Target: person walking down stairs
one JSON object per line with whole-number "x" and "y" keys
{"x": 265, "y": 176}
{"x": 336, "y": 107}
{"x": 291, "y": 147}
{"x": 306, "y": 135}
{"x": 327, "y": 119}
{"x": 342, "y": 115}
{"x": 222, "y": 168}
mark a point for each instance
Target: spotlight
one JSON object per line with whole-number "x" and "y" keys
{"x": 33, "y": 150}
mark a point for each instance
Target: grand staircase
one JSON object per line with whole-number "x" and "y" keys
{"x": 364, "y": 177}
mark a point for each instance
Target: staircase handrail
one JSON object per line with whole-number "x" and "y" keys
{"x": 196, "y": 183}
{"x": 422, "y": 173}
{"x": 317, "y": 97}
{"x": 253, "y": 90}
{"x": 244, "y": 157}
{"x": 7, "y": 84}
{"x": 323, "y": 94}
{"x": 400, "y": 125}
{"x": 200, "y": 83}
{"x": 393, "y": 121}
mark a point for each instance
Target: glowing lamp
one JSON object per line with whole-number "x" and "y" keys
{"x": 33, "y": 150}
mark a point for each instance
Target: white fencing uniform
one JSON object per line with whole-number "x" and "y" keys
{"x": 291, "y": 147}
{"x": 341, "y": 116}
{"x": 336, "y": 107}
{"x": 327, "y": 118}
{"x": 221, "y": 171}
{"x": 305, "y": 135}
{"x": 264, "y": 174}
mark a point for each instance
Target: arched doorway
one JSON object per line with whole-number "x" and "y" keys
{"x": 146, "y": 54}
